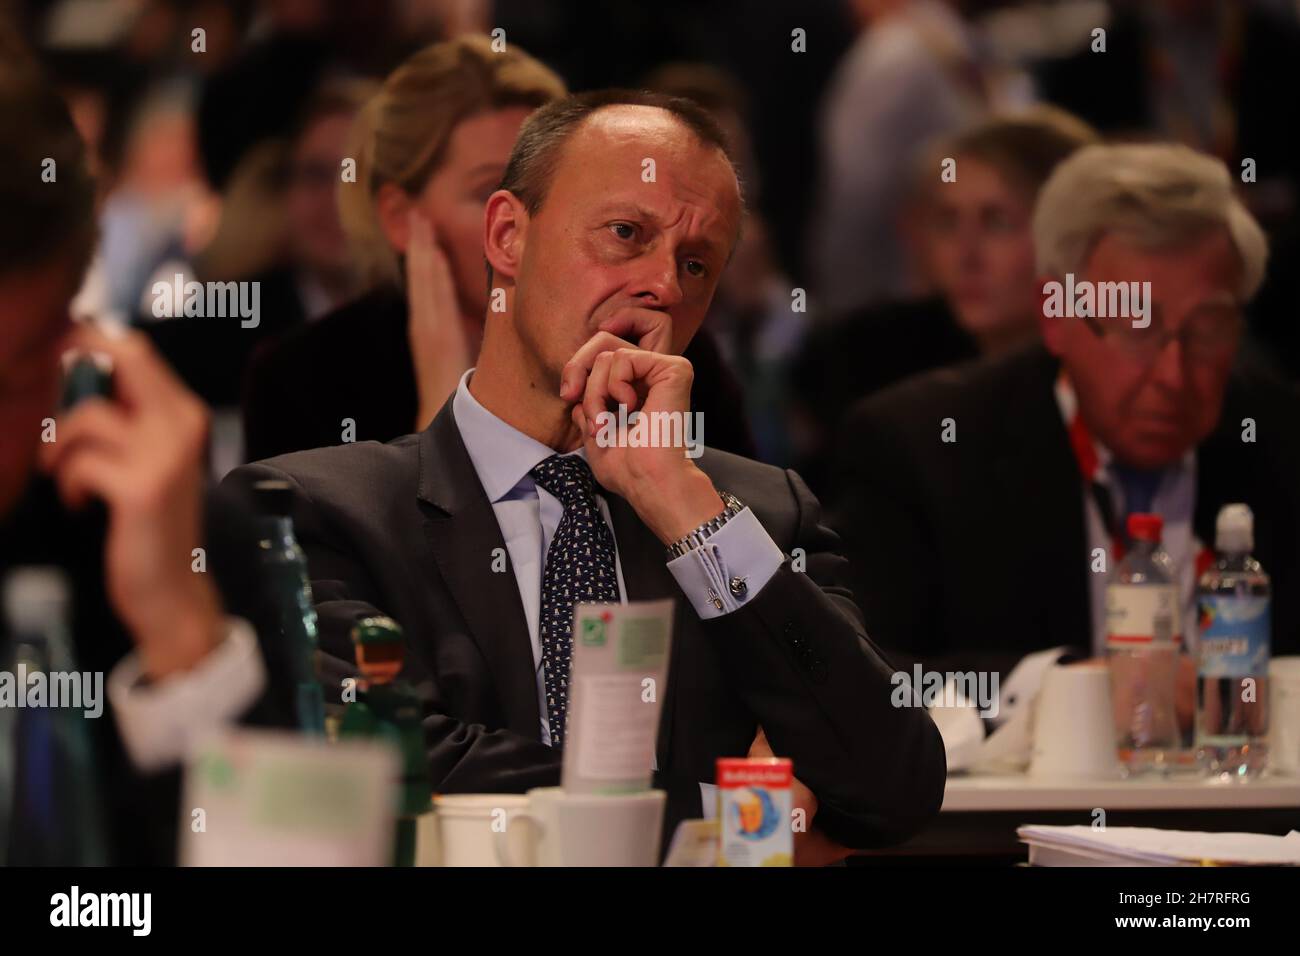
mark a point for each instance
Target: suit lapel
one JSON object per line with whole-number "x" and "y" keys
{"x": 462, "y": 530}
{"x": 1043, "y": 490}
{"x": 646, "y": 575}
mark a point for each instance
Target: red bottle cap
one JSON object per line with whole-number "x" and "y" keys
{"x": 1145, "y": 527}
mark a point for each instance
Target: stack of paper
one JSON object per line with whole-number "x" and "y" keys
{"x": 1145, "y": 846}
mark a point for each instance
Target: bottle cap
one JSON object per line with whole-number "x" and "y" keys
{"x": 1145, "y": 527}
{"x": 34, "y": 597}
{"x": 1235, "y": 529}
{"x": 274, "y": 497}
{"x": 377, "y": 630}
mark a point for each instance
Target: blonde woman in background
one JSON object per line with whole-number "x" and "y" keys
{"x": 430, "y": 148}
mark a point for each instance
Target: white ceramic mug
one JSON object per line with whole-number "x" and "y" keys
{"x": 1284, "y": 715}
{"x": 459, "y": 831}
{"x": 1074, "y": 726}
{"x": 585, "y": 829}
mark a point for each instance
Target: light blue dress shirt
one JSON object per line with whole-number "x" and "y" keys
{"x": 528, "y": 515}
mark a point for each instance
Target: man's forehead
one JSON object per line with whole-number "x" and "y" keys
{"x": 640, "y": 133}
{"x": 623, "y": 123}
{"x": 1198, "y": 267}
{"x": 612, "y": 147}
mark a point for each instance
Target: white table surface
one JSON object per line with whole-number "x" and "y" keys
{"x": 989, "y": 793}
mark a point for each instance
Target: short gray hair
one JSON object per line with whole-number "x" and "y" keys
{"x": 1158, "y": 195}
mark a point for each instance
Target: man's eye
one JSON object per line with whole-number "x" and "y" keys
{"x": 997, "y": 222}
{"x": 943, "y": 220}
{"x": 624, "y": 230}
{"x": 696, "y": 268}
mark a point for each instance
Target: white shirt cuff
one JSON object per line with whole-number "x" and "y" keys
{"x": 730, "y": 568}
{"x": 160, "y": 722}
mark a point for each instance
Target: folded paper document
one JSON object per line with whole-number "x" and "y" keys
{"x": 1145, "y": 846}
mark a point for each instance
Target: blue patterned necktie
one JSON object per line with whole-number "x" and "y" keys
{"x": 579, "y": 567}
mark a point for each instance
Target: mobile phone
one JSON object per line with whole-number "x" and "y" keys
{"x": 86, "y": 375}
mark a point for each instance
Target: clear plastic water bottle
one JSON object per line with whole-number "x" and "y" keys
{"x": 286, "y": 568}
{"x": 1143, "y": 635}
{"x": 49, "y": 797}
{"x": 1233, "y": 601}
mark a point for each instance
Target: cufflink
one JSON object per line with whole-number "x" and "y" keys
{"x": 714, "y": 599}
{"x": 738, "y": 587}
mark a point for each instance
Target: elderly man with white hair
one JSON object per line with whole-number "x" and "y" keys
{"x": 984, "y": 505}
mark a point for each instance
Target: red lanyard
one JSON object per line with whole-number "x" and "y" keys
{"x": 1085, "y": 455}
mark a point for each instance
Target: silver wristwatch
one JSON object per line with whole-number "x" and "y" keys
{"x": 696, "y": 538}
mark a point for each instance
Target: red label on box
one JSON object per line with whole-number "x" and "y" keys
{"x": 774, "y": 772}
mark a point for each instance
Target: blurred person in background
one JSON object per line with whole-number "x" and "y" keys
{"x": 118, "y": 511}
{"x": 753, "y": 316}
{"x": 133, "y": 80}
{"x": 991, "y": 536}
{"x": 916, "y": 72}
{"x": 312, "y": 272}
{"x": 430, "y": 148}
{"x": 972, "y": 240}
{"x": 158, "y": 212}
{"x": 1216, "y": 75}
{"x": 320, "y": 269}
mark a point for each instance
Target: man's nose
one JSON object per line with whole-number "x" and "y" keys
{"x": 657, "y": 281}
{"x": 1169, "y": 369}
{"x": 970, "y": 249}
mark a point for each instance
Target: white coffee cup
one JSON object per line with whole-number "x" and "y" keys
{"x": 1284, "y": 715}
{"x": 1074, "y": 727}
{"x": 585, "y": 829}
{"x": 460, "y": 830}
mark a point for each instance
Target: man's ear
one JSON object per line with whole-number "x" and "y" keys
{"x": 393, "y": 206}
{"x": 1050, "y": 322}
{"x": 505, "y": 231}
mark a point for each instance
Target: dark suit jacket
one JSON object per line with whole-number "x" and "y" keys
{"x": 211, "y": 355}
{"x": 356, "y": 363}
{"x": 852, "y": 356}
{"x": 970, "y": 554}
{"x": 406, "y": 528}
{"x": 140, "y": 811}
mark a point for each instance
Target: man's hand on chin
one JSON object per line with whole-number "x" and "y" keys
{"x": 665, "y": 488}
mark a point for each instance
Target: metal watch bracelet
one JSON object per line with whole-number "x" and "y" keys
{"x": 696, "y": 538}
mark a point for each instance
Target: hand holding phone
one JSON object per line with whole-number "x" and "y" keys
{"x": 132, "y": 436}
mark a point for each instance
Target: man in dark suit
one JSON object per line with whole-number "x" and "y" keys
{"x": 114, "y": 521}
{"x": 1002, "y": 487}
{"x": 616, "y": 215}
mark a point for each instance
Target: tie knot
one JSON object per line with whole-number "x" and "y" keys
{"x": 569, "y": 478}
{"x": 1139, "y": 487}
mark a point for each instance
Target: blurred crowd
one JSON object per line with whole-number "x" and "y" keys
{"x": 912, "y": 170}
{"x": 218, "y": 133}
